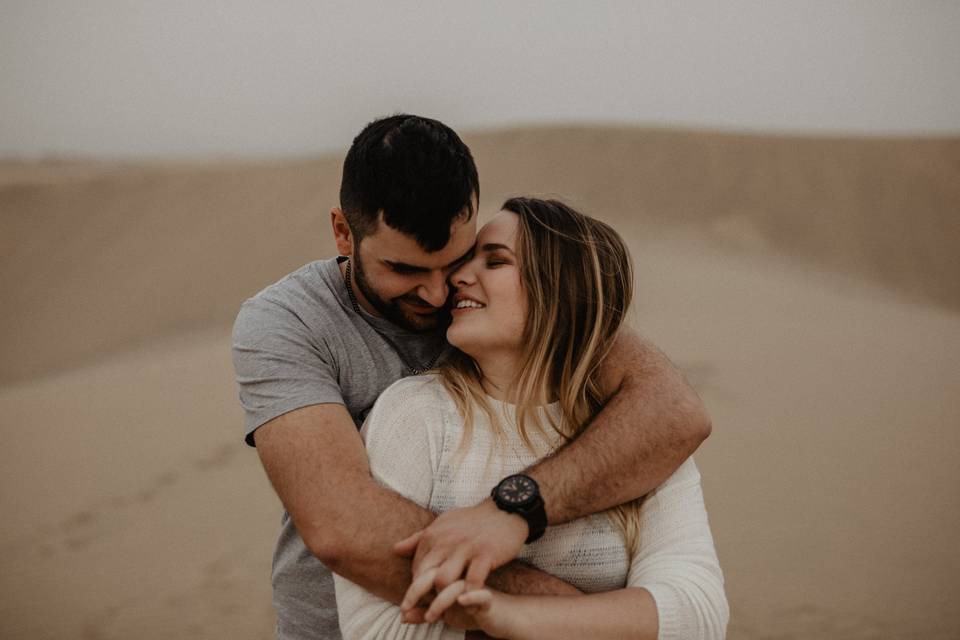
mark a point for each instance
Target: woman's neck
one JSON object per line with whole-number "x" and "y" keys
{"x": 499, "y": 372}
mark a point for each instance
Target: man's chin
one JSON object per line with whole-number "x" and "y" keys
{"x": 421, "y": 322}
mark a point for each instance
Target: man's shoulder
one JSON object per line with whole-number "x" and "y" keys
{"x": 308, "y": 283}
{"x": 297, "y": 297}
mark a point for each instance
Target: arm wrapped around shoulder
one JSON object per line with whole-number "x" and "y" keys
{"x": 677, "y": 563}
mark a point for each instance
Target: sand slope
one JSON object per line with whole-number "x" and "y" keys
{"x": 808, "y": 287}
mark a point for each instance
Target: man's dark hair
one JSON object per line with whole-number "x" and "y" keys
{"x": 416, "y": 171}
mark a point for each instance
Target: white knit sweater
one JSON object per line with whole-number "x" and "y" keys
{"x": 412, "y": 435}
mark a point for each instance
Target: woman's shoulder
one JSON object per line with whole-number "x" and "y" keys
{"x": 421, "y": 398}
{"x": 416, "y": 392}
{"x": 404, "y": 436}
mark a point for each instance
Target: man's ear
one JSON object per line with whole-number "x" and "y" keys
{"x": 341, "y": 232}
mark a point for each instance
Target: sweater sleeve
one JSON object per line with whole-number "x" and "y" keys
{"x": 404, "y": 437}
{"x": 677, "y": 563}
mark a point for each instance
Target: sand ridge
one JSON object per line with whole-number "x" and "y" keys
{"x": 103, "y": 257}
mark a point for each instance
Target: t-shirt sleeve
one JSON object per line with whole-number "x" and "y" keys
{"x": 404, "y": 439}
{"x": 676, "y": 560}
{"x": 280, "y": 366}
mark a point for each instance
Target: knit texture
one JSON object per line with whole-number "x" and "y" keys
{"x": 412, "y": 437}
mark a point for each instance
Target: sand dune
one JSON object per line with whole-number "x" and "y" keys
{"x": 809, "y": 287}
{"x": 98, "y": 258}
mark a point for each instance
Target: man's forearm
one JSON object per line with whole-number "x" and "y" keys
{"x": 367, "y": 556}
{"x": 652, "y": 423}
{"x": 519, "y": 578}
{"x": 370, "y": 562}
{"x": 368, "y": 559}
{"x": 346, "y": 518}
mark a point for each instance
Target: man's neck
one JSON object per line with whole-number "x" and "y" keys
{"x": 356, "y": 295}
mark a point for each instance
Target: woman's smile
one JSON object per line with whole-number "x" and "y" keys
{"x": 466, "y": 303}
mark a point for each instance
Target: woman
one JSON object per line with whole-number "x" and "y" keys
{"x": 536, "y": 310}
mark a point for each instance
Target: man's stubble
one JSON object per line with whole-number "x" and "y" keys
{"x": 391, "y": 309}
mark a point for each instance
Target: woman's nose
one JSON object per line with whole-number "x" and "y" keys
{"x": 462, "y": 276}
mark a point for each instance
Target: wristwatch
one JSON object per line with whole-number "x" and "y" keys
{"x": 520, "y": 494}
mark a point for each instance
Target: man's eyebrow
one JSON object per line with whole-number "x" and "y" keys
{"x": 417, "y": 269}
{"x": 404, "y": 266}
{"x": 464, "y": 257}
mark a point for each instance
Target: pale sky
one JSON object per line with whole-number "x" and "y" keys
{"x": 215, "y": 78}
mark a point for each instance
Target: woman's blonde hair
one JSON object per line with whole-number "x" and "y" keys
{"x": 577, "y": 275}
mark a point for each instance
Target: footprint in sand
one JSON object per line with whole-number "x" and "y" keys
{"x": 92, "y": 522}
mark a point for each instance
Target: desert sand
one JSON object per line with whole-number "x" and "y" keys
{"x": 808, "y": 287}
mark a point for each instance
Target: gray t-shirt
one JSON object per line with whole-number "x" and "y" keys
{"x": 298, "y": 343}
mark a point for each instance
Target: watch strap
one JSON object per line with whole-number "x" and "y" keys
{"x": 534, "y": 513}
{"x": 536, "y": 517}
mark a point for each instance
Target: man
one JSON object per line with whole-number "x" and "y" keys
{"x": 313, "y": 351}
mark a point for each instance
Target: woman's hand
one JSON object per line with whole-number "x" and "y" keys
{"x": 493, "y": 612}
{"x": 460, "y": 544}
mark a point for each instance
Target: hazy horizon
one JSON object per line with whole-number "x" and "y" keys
{"x": 120, "y": 80}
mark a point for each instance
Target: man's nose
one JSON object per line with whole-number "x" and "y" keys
{"x": 434, "y": 291}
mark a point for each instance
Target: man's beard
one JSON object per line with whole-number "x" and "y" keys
{"x": 391, "y": 309}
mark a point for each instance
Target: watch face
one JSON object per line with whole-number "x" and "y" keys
{"x": 516, "y": 490}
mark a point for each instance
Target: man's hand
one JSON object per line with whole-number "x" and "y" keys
{"x": 463, "y": 543}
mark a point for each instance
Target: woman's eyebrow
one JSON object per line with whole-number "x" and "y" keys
{"x": 493, "y": 246}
